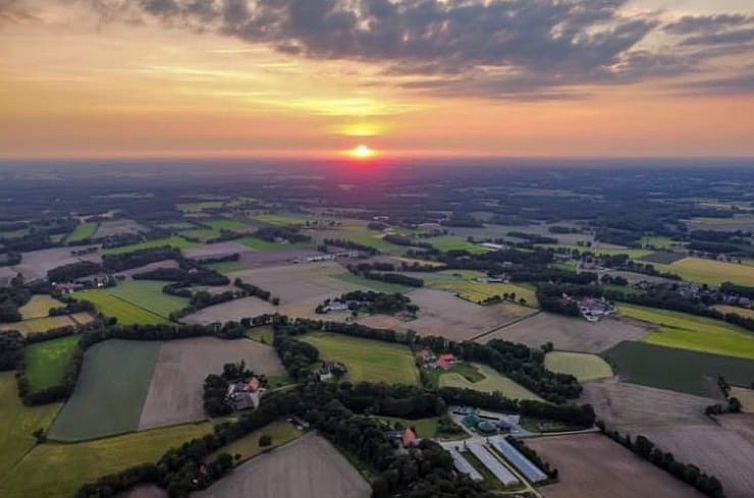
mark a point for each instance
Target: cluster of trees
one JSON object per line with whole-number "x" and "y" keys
{"x": 203, "y": 299}
{"x": 113, "y": 263}
{"x": 195, "y": 276}
{"x": 533, "y": 457}
{"x": 219, "y": 259}
{"x": 284, "y": 326}
{"x": 73, "y": 271}
{"x": 503, "y": 297}
{"x": 216, "y": 387}
{"x": 71, "y": 306}
{"x": 11, "y": 349}
{"x": 296, "y": 356}
{"x": 691, "y": 474}
{"x": 350, "y": 245}
{"x": 11, "y": 299}
{"x": 533, "y": 238}
{"x": 273, "y": 234}
{"x": 551, "y": 299}
{"x": 10, "y": 258}
{"x": 253, "y": 290}
{"x": 374, "y": 302}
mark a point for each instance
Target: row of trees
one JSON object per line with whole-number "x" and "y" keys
{"x": 11, "y": 299}
{"x": 350, "y": 245}
{"x": 373, "y": 302}
{"x": 253, "y": 290}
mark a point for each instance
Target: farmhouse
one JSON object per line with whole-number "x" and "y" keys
{"x": 243, "y": 395}
{"x": 330, "y": 370}
{"x": 594, "y": 309}
{"x": 445, "y": 361}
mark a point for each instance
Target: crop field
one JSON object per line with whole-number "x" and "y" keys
{"x": 113, "y": 306}
{"x": 662, "y": 257}
{"x": 375, "y": 285}
{"x": 744, "y": 312}
{"x": 17, "y": 422}
{"x": 367, "y": 359}
{"x": 725, "y": 453}
{"x": 230, "y": 310}
{"x": 593, "y": 466}
{"x": 263, "y": 334}
{"x": 198, "y": 207}
{"x": 281, "y": 432}
{"x": 175, "y": 390}
{"x": 743, "y": 223}
{"x": 452, "y": 243}
{"x": 44, "y": 324}
{"x": 583, "y": 366}
{"x": 265, "y": 245}
{"x": 601, "y": 250}
{"x": 39, "y": 306}
{"x": 306, "y": 467}
{"x": 175, "y": 242}
{"x": 661, "y": 242}
{"x": 492, "y": 382}
{"x": 36, "y": 264}
{"x": 677, "y": 369}
{"x": 284, "y": 219}
{"x": 110, "y": 392}
{"x": 148, "y": 294}
{"x": 684, "y": 331}
{"x": 745, "y": 395}
{"x": 82, "y": 231}
{"x": 624, "y": 406}
{"x": 47, "y": 362}
{"x": 471, "y": 290}
{"x": 569, "y": 334}
{"x": 226, "y": 224}
{"x": 711, "y": 272}
{"x": 227, "y": 266}
{"x": 55, "y": 470}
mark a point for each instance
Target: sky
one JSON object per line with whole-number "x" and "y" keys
{"x": 405, "y": 78}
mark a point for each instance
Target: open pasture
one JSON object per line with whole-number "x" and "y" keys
{"x": 569, "y": 334}
{"x": 677, "y": 369}
{"x": 124, "y": 311}
{"x": 47, "y": 362}
{"x": 304, "y": 468}
{"x": 148, "y": 294}
{"x": 492, "y": 382}
{"x": 281, "y": 432}
{"x": 110, "y": 392}
{"x": 17, "y": 422}
{"x": 583, "y": 366}
{"x": 685, "y": 331}
{"x": 175, "y": 390}
{"x": 601, "y": 250}
{"x": 215, "y": 250}
{"x": 662, "y": 257}
{"x": 711, "y": 272}
{"x": 175, "y": 242}
{"x": 593, "y": 466}
{"x": 745, "y": 223}
{"x": 467, "y": 286}
{"x": 39, "y": 306}
{"x": 624, "y": 406}
{"x": 366, "y": 359}
{"x": 446, "y": 243}
{"x": 257, "y": 244}
{"x": 226, "y": 224}
{"x": 55, "y": 470}
{"x": 82, "y": 231}
{"x": 201, "y": 234}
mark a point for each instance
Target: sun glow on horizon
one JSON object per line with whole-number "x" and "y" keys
{"x": 361, "y": 152}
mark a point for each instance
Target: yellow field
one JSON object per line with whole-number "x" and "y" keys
{"x": 583, "y": 366}
{"x": 39, "y": 306}
{"x": 492, "y": 382}
{"x": 707, "y": 271}
{"x": 39, "y": 324}
{"x": 465, "y": 283}
{"x": 744, "y": 312}
{"x": 745, "y": 396}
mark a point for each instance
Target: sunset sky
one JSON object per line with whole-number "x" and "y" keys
{"x": 416, "y": 78}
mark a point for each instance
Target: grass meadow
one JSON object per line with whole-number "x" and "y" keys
{"x": 47, "y": 362}
{"x": 175, "y": 242}
{"x": 491, "y": 381}
{"x": 124, "y": 311}
{"x": 583, "y": 366}
{"x": 82, "y": 231}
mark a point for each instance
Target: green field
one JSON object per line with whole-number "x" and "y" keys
{"x": 284, "y": 219}
{"x": 375, "y": 285}
{"x": 225, "y": 224}
{"x": 45, "y": 323}
{"x": 662, "y": 257}
{"x": 492, "y": 382}
{"x": 198, "y": 207}
{"x": 677, "y": 369}
{"x": 365, "y": 359}
{"x": 681, "y": 330}
{"x": 265, "y": 245}
{"x": 227, "y": 266}
{"x": 202, "y": 234}
{"x": 661, "y": 242}
{"x": 47, "y": 362}
{"x": 55, "y": 470}
{"x": 263, "y": 334}
{"x": 148, "y": 294}
{"x": 17, "y": 422}
{"x": 110, "y": 391}
{"x": 583, "y": 366}
{"x": 82, "y": 231}
{"x": 452, "y": 243}
{"x": 125, "y": 312}
{"x": 425, "y": 427}
{"x": 39, "y": 306}
{"x": 248, "y": 447}
{"x": 607, "y": 251}
{"x": 711, "y": 272}
{"x": 467, "y": 286}
{"x": 176, "y": 242}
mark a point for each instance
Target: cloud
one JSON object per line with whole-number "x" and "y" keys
{"x": 701, "y": 24}
{"x": 14, "y": 11}
{"x": 741, "y": 84}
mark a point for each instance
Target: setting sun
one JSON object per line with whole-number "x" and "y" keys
{"x": 362, "y": 152}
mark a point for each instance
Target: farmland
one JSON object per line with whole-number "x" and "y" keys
{"x": 569, "y": 334}
{"x": 375, "y": 285}
{"x": 307, "y": 467}
{"x": 677, "y": 369}
{"x": 492, "y": 382}
{"x": 175, "y": 242}
{"x": 230, "y": 310}
{"x": 265, "y": 245}
{"x": 684, "y": 331}
{"x": 82, "y": 232}
{"x": 147, "y": 294}
{"x": 583, "y": 366}
{"x": 451, "y": 243}
{"x": 44, "y": 324}
{"x": 39, "y": 306}
{"x": 110, "y": 392}
{"x": 47, "y": 362}
{"x": 366, "y": 359}
{"x": 711, "y": 272}
{"x": 125, "y": 312}
{"x": 281, "y": 432}
{"x": 744, "y": 312}
{"x": 466, "y": 285}
{"x": 593, "y": 466}
{"x": 662, "y": 257}
{"x": 745, "y": 395}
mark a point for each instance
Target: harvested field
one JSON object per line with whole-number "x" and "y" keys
{"x": 36, "y": 264}
{"x": 593, "y": 466}
{"x": 721, "y": 451}
{"x": 745, "y": 396}
{"x": 744, "y": 312}
{"x": 36, "y": 325}
{"x": 622, "y": 405}
{"x": 231, "y": 310}
{"x": 712, "y": 272}
{"x": 39, "y": 306}
{"x": 47, "y": 362}
{"x": 118, "y": 227}
{"x": 110, "y": 391}
{"x": 583, "y": 366}
{"x": 569, "y": 334}
{"x": 677, "y": 369}
{"x": 492, "y": 382}
{"x": 254, "y": 259}
{"x": 307, "y": 467}
{"x": 168, "y": 263}
{"x": 215, "y": 250}
{"x": 175, "y": 391}
{"x": 366, "y": 359}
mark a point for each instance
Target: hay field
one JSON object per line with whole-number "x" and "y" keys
{"x": 492, "y": 382}
{"x": 82, "y": 231}
{"x": 175, "y": 390}
{"x": 569, "y": 334}
{"x": 593, "y": 466}
{"x": 124, "y": 311}
{"x": 684, "y": 331}
{"x": 39, "y": 306}
{"x": 175, "y": 242}
{"x": 744, "y": 312}
{"x": 305, "y": 468}
{"x": 17, "y": 422}
{"x": 110, "y": 392}
{"x": 466, "y": 286}
{"x": 367, "y": 359}
{"x": 677, "y": 369}
{"x": 624, "y": 406}
{"x": 280, "y": 431}
{"x": 583, "y": 366}
{"x": 745, "y": 396}
{"x": 148, "y": 294}
{"x": 711, "y": 272}
{"x": 47, "y": 362}
{"x": 55, "y": 470}
{"x": 35, "y": 325}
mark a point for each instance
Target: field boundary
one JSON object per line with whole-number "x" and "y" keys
{"x": 504, "y": 326}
